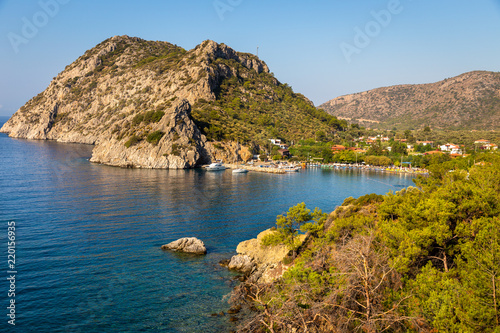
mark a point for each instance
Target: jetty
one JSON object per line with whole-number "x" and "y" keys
{"x": 258, "y": 168}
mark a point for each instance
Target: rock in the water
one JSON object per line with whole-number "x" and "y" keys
{"x": 187, "y": 244}
{"x": 224, "y": 262}
{"x": 241, "y": 263}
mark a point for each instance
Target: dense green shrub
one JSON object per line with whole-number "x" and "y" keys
{"x": 148, "y": 117}
{"x": 155, "y": 137}
{"x": 378, "y": 160}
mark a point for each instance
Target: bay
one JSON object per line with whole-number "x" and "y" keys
{"x": 88, "y": 236}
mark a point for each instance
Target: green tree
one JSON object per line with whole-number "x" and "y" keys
{"x": 480, "y": 273}
{"x": 398, "y": 148}
{"x": 298, "y": 218}
{"x": 376, "y": 149}
{"x": 327, "y": 155}
{"x": 321, "y": 136}
{"x": 346, "y": 156}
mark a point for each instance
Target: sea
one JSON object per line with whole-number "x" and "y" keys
{"x": 86, "y": 255}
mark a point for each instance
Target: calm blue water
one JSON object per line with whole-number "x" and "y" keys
{"x": 88, "y": 236}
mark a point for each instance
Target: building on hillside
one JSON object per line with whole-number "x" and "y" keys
{"x": 337, "y": 148}
{"x": 379, "y": 137}
{"x": 489, "y": 146}
{"x": 275, "y": 142}
{"x": 451, "y": 148}
{"x": 357, "y": 150}
{"x": 481, "y": 142}
{"x": 284, "y": 152}
{"x": 426, "y": 143}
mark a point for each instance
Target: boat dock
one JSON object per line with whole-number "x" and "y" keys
{"x": 254, "y": 168}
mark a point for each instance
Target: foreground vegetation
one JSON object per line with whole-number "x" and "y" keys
{"x": 425, "y": 259}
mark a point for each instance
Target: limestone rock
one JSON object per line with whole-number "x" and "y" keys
{"x": 241, "y": 263}
{"x": 127, "y": 89}
{"x": 272, "y": 272}
{"x": 262, "y": 255}
{"x": 187, "y": 244}
{"x": 266, "y": 262}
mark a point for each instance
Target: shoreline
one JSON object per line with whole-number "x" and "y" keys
{"x": 389, "y": 169}
{"x": 333, "y": 166}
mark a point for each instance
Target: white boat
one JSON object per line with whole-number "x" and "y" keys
{"x": 239, "y": 170}
{"x": 216, "y": 166}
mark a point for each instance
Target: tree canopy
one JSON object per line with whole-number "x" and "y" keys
{"x": 424, "y": 259}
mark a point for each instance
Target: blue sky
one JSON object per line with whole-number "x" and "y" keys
{"x": 322, "y": 48}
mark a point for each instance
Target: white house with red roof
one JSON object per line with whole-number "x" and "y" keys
{"x": 451, "y": 148}
{"x": 489, "y": 146}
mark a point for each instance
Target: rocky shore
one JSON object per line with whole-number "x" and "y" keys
{"x": 259, "y": 263}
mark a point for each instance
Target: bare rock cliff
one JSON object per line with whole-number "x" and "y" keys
{"x": 132, "y": 99}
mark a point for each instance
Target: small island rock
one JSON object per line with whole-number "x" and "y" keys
{"x": 187, "y": 244}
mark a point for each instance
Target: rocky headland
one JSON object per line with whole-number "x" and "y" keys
{"x": 147, "y": 104}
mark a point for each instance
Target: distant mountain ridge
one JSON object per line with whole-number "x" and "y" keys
{"x": 468, "y": 101}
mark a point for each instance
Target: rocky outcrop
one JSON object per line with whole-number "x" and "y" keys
{"x": 262, "y": 255}
{"x": 181, "y": 146}
{"x": 262, "y": 264}
{"x": 241, "y": 263}
{"x": 132, "y": 99}
{"x": 187, "y": 245}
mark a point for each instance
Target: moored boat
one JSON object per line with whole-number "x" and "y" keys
{"x": 216, "y": 166}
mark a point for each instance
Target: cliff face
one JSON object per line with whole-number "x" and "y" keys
{"x": 132, "y": 98}
{"x": 468, "y": 101}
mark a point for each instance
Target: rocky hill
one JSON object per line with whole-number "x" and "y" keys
{"x": 155, "y": 105}
{"x": 468, "y": 101}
